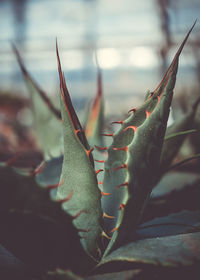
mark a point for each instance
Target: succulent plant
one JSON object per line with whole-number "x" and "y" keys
{"x": 59, "y": 221}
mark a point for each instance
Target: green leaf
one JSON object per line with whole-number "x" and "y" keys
{"x": 11, "y": 267}
{"x": 183, "y": 197}
{"x": 62, "y": 275}
{"x": 178, "y": 164}
{"x": 178, "y": 223}
{"x": 78, "y": 175}
{"x": 132, "y": 168}
{"x": 95, "y": 123}
{"x": 172, "y": 145}
{"x": 176, "y": 134}
{"x": 183, "y": 249}
{"x": 34, "y": 227}
{"x": 173, "y": 182}
{"x": 50, "y": 174}
{"x": 37, "y": 240}
{"x": 47, "y": 118}
{"x": 122, "y": 275}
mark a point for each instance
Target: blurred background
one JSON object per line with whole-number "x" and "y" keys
{"x": 134, "y": 41}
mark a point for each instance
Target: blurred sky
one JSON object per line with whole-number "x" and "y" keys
{"x": 128, "y": 36}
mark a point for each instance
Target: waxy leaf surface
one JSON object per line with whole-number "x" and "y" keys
{"x": 178, "y": 223}
{"x": 78, "y": 176}
{"x": 183, "y": 249}
{"x": 132, "y": 168}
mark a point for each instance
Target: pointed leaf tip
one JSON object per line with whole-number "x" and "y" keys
{"x": 41, "y": 92}
{"x": 99, "y": 77}
{"x": 174, "y": 65}
{"x": 79, "y": 175}
{"x": 150, "y": 120}
{"x": 68, "y": 104}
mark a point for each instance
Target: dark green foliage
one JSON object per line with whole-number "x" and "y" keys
{"x": 172, "y": 145}
{"x": 167, "y": 251}
{"x": 176, "y": 223}
{"x": 78, "y": 175}
{"x": 133, "y": 162}
{"x": 34, "y": 226}
{"x": 52, "y": 218}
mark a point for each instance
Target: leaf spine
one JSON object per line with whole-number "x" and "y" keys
{"x": 89, "y": 151}
{"x": 122, "y": 185}
{"x": 101, "y": 161}
{"x": 98, "y": 171}
{"x": 105, "y": 194}
{"x": 118, "y": 122}
{"x": 158, "y": 97}
{"x": 61, "y": 201}
{"x": 121, "y": 206}
{"x": 114, "y": 229}
{"x": 77, "y": 131}
{"x": 55, "y": 186}
{"x": 79, "y": 213}
{"x": 101, "y": 148}
{"x": 121, "y": 149}
{"x": 38, "y": 170}
{"x": 105, "y": 235}
{"x": 107, "y": 134}
{"x": 132, "y": 110}
{"x": 119, "y": 167}
{"x": 107, "y": 216}
{"x": 134, "y": 128}
{"x": 147, "y": 114}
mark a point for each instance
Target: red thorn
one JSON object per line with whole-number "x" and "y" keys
{"x": 100, "y": 182}
{"x": 121, "y": 149}
{"x": 118, "y": 122}
{"x": 77, "y": 131}
{"x": 132, "y": 110}
{"x": 98, "y": 171}
{"x": 102, "y": 161}
{"x": 38, "y": 169}
{"x": 13, "y": 159}
{"x": 121, "y": 206}
{"x": 89, "y": 151}
{"x": 79, "y": 213}
{"x": 134, "y": 128}
{"x": 107, "y": 216}
{"x": 119, "y": 167}
{"x": 122, "y": 185}
{"x": 110, "y": 134}
{"x": 158, "y": 97}
{"x": 55, "y": 186}
{"x": 83, "y": 230}
{"x": 147, "y": 114}
{"x": 61, "y": 201}
{"x": 101, "y": 148}
{"x": 104, "y": 194}
{"x": 114, "y": 229}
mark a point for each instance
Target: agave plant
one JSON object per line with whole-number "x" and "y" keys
{"x": 60, "y": 221}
